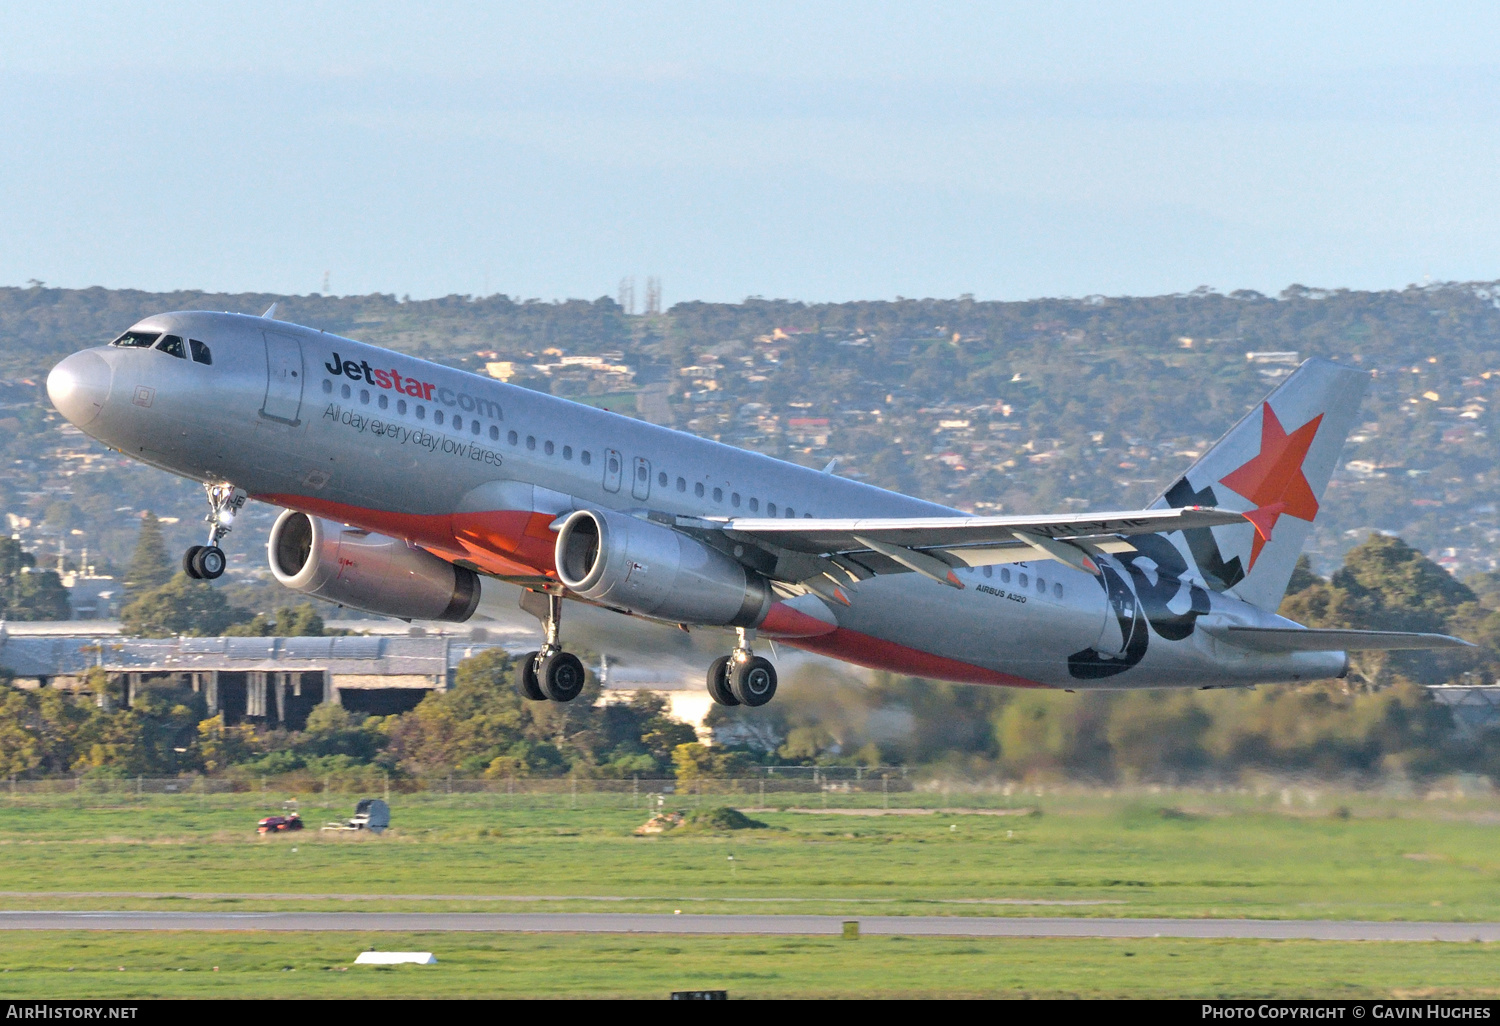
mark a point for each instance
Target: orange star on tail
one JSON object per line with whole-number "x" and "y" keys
{"x": 1274, "y": 480}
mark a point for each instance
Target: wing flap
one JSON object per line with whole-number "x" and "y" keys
{"x": 1295, "y": 639}
{"x": 827, "y": 536}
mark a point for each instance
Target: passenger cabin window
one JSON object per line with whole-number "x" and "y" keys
{"x": 548, "y": 448}
{"x": 458, "y": 423}
{"x": 364, "y": 396}
{"x": 512, "y": 438}
{"x": 494, "y": 433}
{"x": 474, "y": 427}
{"x": 1057, "y": 591}
{"x": 1021, "y": 579}
{"x": 401, "y": 406}
{"x": 344, "y": 391}
{"x": 718, "y": 495}
{"x": 698, "y": 489}
{"x": 201, "y": 352}
{"x": 754, "y": 505}
{"x": 681, "y": 485}
{"x": 384, "y": 401}
{"x": 567, "y": 452}
{"x": 989, "y": 571}
{"x": 585, "y": 457}
{"x": 1005, "y": 575}
{"x": 421, "y": 410}
{"x": 173, "y": 345}
{"x": 531, "y": 442}
{"x": 327, "y": 387}
{"x": 137, "y": 340}
{"x": 661, "y": 478}
{"x": 1041, "y": 586}
{"x": 791, "y": 514}
{"x": 734, "y": 499}
{"x": 770, "y": 509}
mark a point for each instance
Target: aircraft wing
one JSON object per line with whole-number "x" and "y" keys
{"x": 844, "y": 550}
{"x": 1299, "y": 639}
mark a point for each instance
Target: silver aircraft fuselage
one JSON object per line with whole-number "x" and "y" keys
{"x": 475, "y": 470}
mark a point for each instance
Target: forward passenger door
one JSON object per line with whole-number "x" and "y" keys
{"x": 283, "y": 378}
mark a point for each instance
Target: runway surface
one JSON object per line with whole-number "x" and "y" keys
{"x": 614, "y": 922}
{"x": 539, "y": 899}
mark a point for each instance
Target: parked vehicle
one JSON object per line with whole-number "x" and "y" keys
{"x": 279, "y": 824}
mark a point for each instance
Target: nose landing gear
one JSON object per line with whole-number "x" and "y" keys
{"x": 207, "y": 562}
{"x": 552, "y": 674}
{"x": 742, "y": 678}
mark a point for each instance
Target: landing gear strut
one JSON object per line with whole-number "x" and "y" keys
{"x": 552, "y": 673}
{"x": 206, "y": 562}
{"x": 742, "y": 678}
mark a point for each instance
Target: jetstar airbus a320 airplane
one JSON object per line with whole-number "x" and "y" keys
{"x": 412, "y": 489}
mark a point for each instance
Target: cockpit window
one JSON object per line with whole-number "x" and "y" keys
{"x": 137, "y": 340}
{"x": 173, "y": 345}
{"x": 200, "y": 352}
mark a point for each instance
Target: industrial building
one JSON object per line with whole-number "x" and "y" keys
{"x": 276, "y": 681}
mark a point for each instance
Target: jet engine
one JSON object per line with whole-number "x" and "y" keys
{"x": 355, "y": 568}
{"x": 647, "y": 568}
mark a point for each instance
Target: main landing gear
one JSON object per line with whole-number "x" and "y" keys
{"x": 552, "y": 674}
{"x": 742, "y": 677}
{"x": 207, "y": 562}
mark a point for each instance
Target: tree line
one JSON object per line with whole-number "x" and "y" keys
{"x": 1380, "y": 719}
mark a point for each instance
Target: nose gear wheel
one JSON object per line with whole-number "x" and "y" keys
{"x": 207, "y": 562}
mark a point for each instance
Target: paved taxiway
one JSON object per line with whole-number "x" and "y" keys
{"x": 613, "y": 922}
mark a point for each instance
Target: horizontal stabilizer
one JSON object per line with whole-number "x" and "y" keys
{"x": 1295, "y": 639}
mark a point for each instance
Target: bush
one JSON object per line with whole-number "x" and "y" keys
{"x": 722, "y": 818}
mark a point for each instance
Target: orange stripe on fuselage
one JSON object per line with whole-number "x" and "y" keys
{"x": 510, "y": 543}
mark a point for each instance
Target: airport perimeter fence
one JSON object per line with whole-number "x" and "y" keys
{"x": 632, "y": 789}
{"x": 810, "y": 787}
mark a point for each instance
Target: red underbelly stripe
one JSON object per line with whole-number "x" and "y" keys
{"x": 510, "y": 543}
{"x": 879, "y": 654}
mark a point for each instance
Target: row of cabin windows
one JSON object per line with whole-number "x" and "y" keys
{"x": 456, "y": 421}
{"x": 1023, "y": 580}
{"x": 172, "y": 345}
{"x": 549, "y": 448}
{"x": 663, "y": 479}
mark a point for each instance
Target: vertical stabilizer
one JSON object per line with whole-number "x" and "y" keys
{"x": 1272, "y": 466}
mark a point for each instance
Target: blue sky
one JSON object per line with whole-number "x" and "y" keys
{"x": 806, "y": 151}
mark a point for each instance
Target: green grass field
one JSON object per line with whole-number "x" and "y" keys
{"x": 519, "y": 965}
{"x": 1183, "y": 854}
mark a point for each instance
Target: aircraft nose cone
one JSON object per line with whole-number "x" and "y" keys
{"x": 79, "y": 385}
